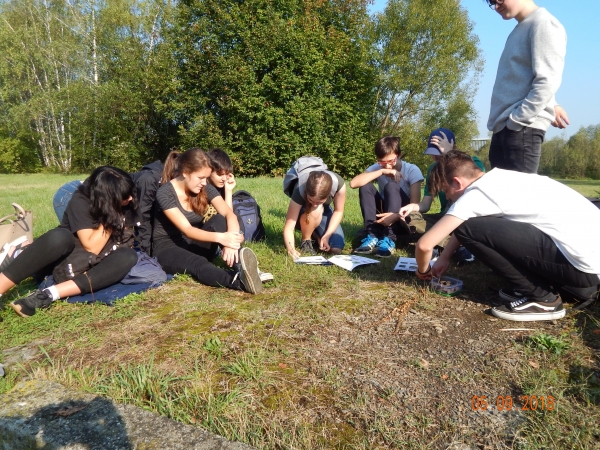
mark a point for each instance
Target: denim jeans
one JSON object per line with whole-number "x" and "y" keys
{"x": 517, "y": 150}
{"x": 63, "y": 196}
{"x": 528, "y": 258}
{"x": 337, "y": 238}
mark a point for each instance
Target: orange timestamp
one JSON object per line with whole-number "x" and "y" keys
{"x": 506, "y": 403}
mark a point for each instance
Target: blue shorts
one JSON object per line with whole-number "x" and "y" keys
{"x": 337, "y": 238}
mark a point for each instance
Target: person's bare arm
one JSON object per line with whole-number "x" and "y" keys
{"x": 288, "y": 229}
{"x": 93, "y": 239}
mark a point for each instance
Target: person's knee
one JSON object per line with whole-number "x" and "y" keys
{"x": 127, "y": 256}
{"x": 217, "y": 223}
{"x": 60, "y": 239}
{"x": 368, "y": 190}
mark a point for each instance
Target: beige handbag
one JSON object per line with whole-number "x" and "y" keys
{"x": 15, "y": 225}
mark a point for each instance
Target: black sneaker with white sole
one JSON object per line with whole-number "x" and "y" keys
{"x": 26, "y": 306}
{"x": 307, "y": 248}
{"x": 510, "y": 295}
{"x": 249, "y": 276}
{"x": 525, "y": 310}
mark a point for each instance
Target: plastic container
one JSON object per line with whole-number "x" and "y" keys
{"x": 446, "y": 285}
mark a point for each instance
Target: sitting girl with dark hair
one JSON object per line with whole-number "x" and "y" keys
{"x": 310, "y": 207}
{"x": 184, "y": 242}
{"x": 90, "y": 250}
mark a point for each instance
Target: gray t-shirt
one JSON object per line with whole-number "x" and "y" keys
{"x": 166, "y": 198}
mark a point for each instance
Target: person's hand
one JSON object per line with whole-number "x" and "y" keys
{"x": 440, "y": 267}
{"x": 232, "y": 240}
{"x": 561, "y": 119}
{"x": 442, "y": 143}
{"x": 386, "y": 219}
{"x": 230, "y": 183}
{"x": 230, "y": 256}
{"x": 406, "y": 210}
{"x": 324, "y": 243}
{"x": 425, "y": 276}
{"x": 393, "y": 174}
{"x": 295, "y": 254}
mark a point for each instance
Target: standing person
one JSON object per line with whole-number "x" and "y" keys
{"x": 399, "y": 184}
{"x": 310, "y": 211}
{"x": 183, "y": 242}
{"x": 510, "y": 222}
{"x": 97, "y": 225}
{"x": 529, "y": 74}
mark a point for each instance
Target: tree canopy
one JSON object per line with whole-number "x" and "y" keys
{"x": 90, "y": 82}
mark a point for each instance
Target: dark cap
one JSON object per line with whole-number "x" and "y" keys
{"x": 433, "y": 149}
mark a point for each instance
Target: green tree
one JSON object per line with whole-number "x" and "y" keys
{"x": 428, "y": 62}
{"x": 272, "y": 80}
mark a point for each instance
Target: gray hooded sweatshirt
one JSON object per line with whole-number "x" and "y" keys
{"x": 529, "y": 74}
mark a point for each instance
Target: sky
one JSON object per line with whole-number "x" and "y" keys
{"x": 579, "y": 93}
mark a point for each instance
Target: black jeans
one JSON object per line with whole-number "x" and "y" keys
{"x": 372, "y": 204}
{"x": 42, "y": 255}
{"x": 195, "y": 257}
{"x": 525, "y": 256}
{"x": 517, "y": 150}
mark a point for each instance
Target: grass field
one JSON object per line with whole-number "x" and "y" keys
{"x": 319, "y": 360}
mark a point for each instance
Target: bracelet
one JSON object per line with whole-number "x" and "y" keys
{"x": 424, "y": 273}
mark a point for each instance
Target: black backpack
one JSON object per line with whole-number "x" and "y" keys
{"x": 248, "y": 212}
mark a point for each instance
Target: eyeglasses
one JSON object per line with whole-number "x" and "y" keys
{"x": 392, "y": 162}
{"x": 492, "y": 3}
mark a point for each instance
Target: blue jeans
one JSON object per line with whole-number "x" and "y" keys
{"x": 517, "y": 150}
{"x": 337, "y": 238}
{"x": 63, "y": 196}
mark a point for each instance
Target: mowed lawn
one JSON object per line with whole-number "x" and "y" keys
{"x": 323, "y": 358}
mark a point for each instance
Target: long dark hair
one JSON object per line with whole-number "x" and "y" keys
{"x": 108, "y": 187}
{"x": 189, "y": 161}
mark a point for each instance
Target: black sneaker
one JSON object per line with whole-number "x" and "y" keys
{"x": 525, "y": 310}
{"x": 463, "y": 256}
{"x": 510, "y": 295}
{"x": 26, "y": 306}
{"x": 249, "y": 276}
{"x": 306, "y": 248}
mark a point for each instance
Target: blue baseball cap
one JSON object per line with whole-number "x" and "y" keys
{"x": 434, "y": 149}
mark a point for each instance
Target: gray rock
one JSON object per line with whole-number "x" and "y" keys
{"x": 45, "y": 415}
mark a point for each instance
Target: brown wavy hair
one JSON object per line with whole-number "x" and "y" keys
{"x": 318, "y": 185}
{"x": 449, "y": 165}
{"x": 189, "y": 161}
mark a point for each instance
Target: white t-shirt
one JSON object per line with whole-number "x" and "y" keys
{"x": 571, "y": 220}
{"x": 411, "y": 174}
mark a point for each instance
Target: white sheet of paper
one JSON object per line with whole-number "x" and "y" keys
{"x": 312, "y": 260}
{"x": 410, "y": 264}
{"x": 349, "y": 262}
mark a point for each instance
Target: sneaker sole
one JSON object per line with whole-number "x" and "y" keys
{"x": 250, "y": 270}
{"x": 528, "y": 317}
{"x": 383, "y": 256}
{"x": 363, "y": 252}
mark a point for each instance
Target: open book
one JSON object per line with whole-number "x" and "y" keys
{"x": 410, "y": 264}
{"x": 348, "y": 262}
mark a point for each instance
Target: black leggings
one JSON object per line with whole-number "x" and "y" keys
{"x": 195, "y": 258}
{"x": 40, "y": 257}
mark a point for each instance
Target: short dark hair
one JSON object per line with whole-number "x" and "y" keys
{"x": 220, "y": 161}
{"x": 386, "y": 146}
